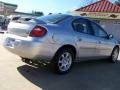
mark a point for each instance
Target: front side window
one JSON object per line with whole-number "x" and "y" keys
{"x": 98, "y": 31}
{"x": 81, "y": 25}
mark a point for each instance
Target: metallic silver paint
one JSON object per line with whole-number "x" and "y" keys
{"x": 58, "y": 35}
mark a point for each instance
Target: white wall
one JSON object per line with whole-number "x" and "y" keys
{"x": 112, "y": 27}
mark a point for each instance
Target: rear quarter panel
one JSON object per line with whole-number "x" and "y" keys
{"x": 61, "y": 34}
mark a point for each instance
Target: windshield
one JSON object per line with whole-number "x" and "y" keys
{"x": 53, "y": 18}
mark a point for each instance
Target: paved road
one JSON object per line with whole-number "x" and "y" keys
{"x": 90, "y": 75}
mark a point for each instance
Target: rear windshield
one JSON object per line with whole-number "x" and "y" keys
{"x": 15, "y": 18}
{"x": 25, "y": 19}
{"x": 53, "y": 18}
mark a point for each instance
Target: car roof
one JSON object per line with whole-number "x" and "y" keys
{"x": 72, "y": 15}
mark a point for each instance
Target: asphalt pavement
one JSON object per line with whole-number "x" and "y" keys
{"x": 88, "y": 75}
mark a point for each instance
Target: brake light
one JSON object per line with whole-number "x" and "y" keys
{"x": 38, "y": 31}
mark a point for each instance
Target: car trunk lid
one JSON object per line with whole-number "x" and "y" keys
{"x": 22, "y": 28}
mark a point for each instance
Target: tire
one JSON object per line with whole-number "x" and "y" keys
{"x": 25, "y": 60}
{"x": 63, "y": 61}
{"x": 114, "y": 55}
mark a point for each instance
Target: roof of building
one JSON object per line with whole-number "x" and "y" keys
{"x": 101, "y": 6}
{"x": 14, "y": 5}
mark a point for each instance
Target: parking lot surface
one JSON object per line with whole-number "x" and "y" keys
{"x": 89, "y": 75}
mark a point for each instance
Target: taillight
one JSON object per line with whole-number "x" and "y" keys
{"x": 38, "y": 31}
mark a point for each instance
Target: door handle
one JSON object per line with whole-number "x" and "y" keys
{"x": 79, "y": 39}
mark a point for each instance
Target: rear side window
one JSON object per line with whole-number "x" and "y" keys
{"x": 53, "y": 18}
{"x": 82, "y": 26}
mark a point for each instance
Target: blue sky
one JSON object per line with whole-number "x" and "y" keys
{"x": 49, "y": 6}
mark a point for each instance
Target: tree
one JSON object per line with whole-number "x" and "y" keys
{"x": 117, "y": 2}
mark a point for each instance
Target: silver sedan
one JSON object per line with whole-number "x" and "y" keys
{"x": 60, "y": 39}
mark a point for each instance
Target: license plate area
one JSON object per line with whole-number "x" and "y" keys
{"x": 10, "y": 42}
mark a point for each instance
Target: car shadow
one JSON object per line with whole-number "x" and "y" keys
{"x": 89, "y": 75}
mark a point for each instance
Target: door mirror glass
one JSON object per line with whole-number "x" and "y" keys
{"x": 110, "y": 36}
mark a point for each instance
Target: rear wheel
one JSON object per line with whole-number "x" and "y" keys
{"x": 63, "y": 61}
{"x": 114, "y": 55}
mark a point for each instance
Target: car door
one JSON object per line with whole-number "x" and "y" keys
{"x": 104, "y": 44}
{"x": 86, "y": 42}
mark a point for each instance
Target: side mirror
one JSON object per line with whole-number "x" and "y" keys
{"x": 110, "y": 36}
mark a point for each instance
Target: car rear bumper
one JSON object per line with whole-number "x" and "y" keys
{"x": 28, "y": 47}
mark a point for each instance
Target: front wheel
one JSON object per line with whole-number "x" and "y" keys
{"x": 63, "y": 61}
{"x": 114, "y": 55}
